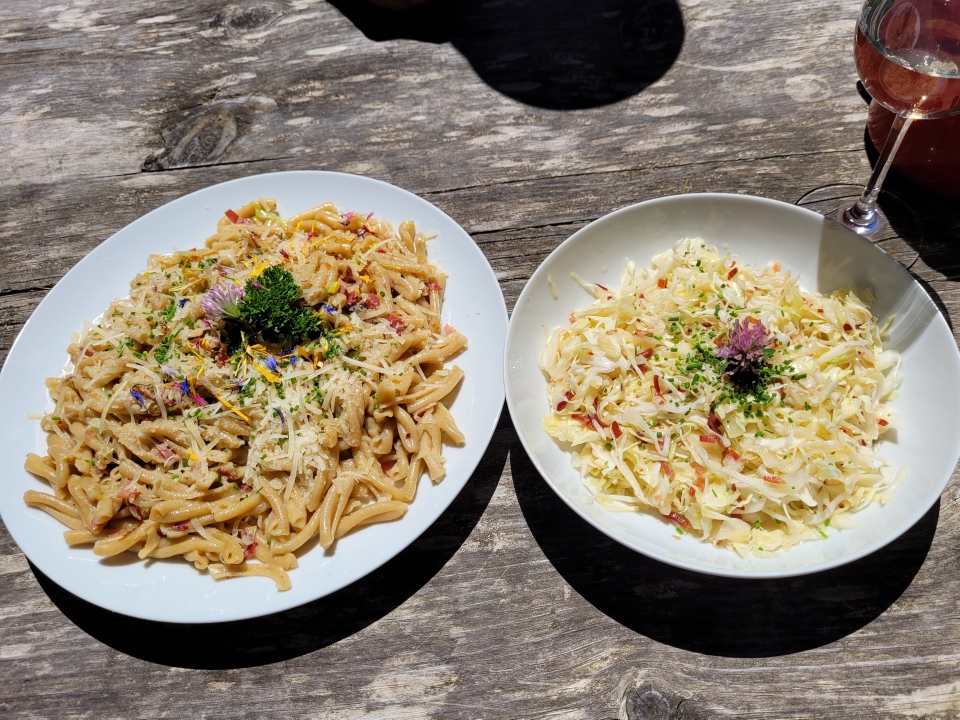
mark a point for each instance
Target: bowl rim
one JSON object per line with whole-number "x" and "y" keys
{"x": 869, "y": 549}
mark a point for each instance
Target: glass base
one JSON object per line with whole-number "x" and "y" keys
{"x": 895, "y": 229}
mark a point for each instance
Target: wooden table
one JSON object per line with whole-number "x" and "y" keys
{"x": 523, "y": 120}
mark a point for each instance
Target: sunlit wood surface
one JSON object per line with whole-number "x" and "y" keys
{"x": 524, "y": 120}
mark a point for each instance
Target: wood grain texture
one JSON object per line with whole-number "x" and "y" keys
{"x": 510, "y": 605}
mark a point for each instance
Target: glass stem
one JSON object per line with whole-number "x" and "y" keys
{"x": 864, "y": 213}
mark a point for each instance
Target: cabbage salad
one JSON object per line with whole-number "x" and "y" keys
{"x": 739, "y": 407}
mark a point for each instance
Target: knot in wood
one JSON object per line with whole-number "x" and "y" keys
{"x": 649, "y": 704}
{"x": 239, "y": 20}
{"x": 201, "y": 135}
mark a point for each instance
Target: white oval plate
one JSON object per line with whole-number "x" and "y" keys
{"x": 175, "y": 591}
{"x": 827, "y": 256}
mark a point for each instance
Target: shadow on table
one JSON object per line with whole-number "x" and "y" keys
{"x": 939, "y": 218}
{"x": 310, "y": 627}
{"x": 714, "y": 615}
{"x": 557, "y": 54}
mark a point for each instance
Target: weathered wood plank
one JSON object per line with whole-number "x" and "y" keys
{"x": 510, "y": 606}
{"x": 218, "y": 84}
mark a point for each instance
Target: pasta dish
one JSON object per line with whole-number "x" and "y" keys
{"x": 742, "y": 409}
{"x": 285, "y": 382}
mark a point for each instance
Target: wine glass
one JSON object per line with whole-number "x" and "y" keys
{"x": 908, "y": 58}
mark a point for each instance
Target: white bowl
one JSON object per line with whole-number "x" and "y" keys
{"x": 827, "y": 256}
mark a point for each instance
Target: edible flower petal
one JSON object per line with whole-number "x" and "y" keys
{"x": 744, "y": 351}
{"x": 222, "y": 301}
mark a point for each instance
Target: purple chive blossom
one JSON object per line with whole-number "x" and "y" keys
{"x": 257, "y": 285}
{"x": 198, "y": 400}
{"x": 330, "y": 309}
{"x": 271, "y": 362}
{"x": 347, "y": 218}
{"x": 184, "y": 301}
{"x": 283, "y": 421}
{"x": 369, "y": 215}
{"x": 222, "y": 301}
{"x": 184, "y": 387}
{"x": 137, "y": 396}
{"x": 744, "y": 351}
{"x": 168, "y": 371}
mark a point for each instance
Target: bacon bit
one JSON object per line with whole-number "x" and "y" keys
{"x": 733, "y": 486}
{"x": 572, "y": 319}
{"x": 163, "y": 451}
{"x": 561, "y": 405}
{"x": 713, "y": 422}
{"x": 395, "y": 322}
{"x": 250, "y": 550}
{"x": 387, "y": 466}
{"x": 617, "y": 432}
{"x": 284, "y": 253}
{"x": 232, "y": 216}
{"x": 711, "y": 439}
{"x": 719, "y": 339}
{"x": 732, "y": 273}
{"x": 647, "y": 353}
{"x": 707, "y": 325}
{"x": 568, "y": 394}
{"x": 656, "y": 389}
{"x": 88, "y": 352}
{"x": 381, "y": 250}
{"x": 678, "y": 519}
{"x": 731, "y": 458}
{"x": 434, "y": 286}
{"x": 882, "y": 422}
{"x": 222, "y": 356}
{"x": 776, "y": 267}
{"x": 693, "y": 491}
{"x": 602, "y": 287}
{"x": 372, "y": 301}
{"x": 129, "y": 491}
{"x": 181, "y": 526}
{"x": 863, "y": 442}
{"x": 775, "y": 479}
{"x": 585, "y": 420}
{"x": 662, "y": 283}
{"x": 227, "y": 473}
{"x": 781, "y": 392}
{"x": 596, "y": 410}
{"x": 667, "y": 470}
{"x": 701, "y": 480}
{"x": 846, "y": 430}
{"x": 820, "y": 310}
{"x": 449, "y": 330}
{"x": 846, "y": 327}
{"x": 859, "y": 325}
{"x": 350, "y": 297}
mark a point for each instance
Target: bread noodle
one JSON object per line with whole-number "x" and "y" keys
{"x": 172, "y": 437}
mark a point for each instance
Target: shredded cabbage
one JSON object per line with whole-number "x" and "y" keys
{"x": 657, "y": 425}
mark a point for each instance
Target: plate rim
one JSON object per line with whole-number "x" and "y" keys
{"x": 482, "y": 439}
{"x": 678, "y": 562}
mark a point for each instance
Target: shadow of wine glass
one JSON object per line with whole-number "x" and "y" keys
{"x": 555, "y": 54}
{"x": 716, "y": 615}
{"x": 310, "y": 627}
